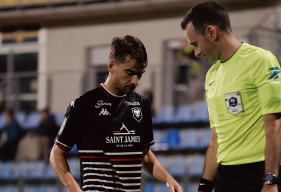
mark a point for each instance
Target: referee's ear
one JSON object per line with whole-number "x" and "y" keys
{"x": 111, "y": 65}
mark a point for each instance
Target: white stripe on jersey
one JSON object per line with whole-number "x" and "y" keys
{"x": 135, "y": 165}
{"x": 149, "y": 143}
{"x": 101, "y": 169}
{"x": 101, "y": 175}
{"x": 128, "y": 171}
{"x": 128, "y": 178}
{"x": 90, "y": 151}
{"x": 124, "y": 153}
{"x": 114, "y": 182}
{"x": 96, "y": 163}
{"x": 114, "y": 188}
{"x": 62, "y": 144}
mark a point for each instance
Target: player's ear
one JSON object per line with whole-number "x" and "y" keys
{"x": 211, "y": 31}
{"x": 111, "y": 65}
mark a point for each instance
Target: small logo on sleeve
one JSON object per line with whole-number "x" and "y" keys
{"x": 275, "y": 74}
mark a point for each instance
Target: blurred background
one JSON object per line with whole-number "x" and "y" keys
{"x": 53, "y": 51}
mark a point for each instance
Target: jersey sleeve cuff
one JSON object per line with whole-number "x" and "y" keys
{"x": 62, "y": 145}
{"x": 149, "y": 144}
{"x": 270, "y": 111}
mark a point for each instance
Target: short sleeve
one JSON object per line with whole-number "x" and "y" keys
{"x": 147, "y": 133}
{"x": 267, "y": 79}
{"x": 68, "y": 134}
{"x": 212, "y": 125}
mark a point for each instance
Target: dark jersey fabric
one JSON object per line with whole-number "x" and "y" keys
{"x": 110, "y": 132}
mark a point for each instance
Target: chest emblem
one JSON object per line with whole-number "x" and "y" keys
{"x": 233, "y": 103}
{"x": 104, "y": 112}
{"x": 137, "y": 114}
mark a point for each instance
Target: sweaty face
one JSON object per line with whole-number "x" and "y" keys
{"x": 126, "y": 76}
{"x": 204, "y": 46}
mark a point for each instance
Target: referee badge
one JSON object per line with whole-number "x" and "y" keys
{"x": 233, "y": 103}
{"x": 137, "y": 114}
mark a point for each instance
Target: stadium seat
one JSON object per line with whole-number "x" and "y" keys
{"x": 172, "y": 139}
{"x": 165, "y": 115}
{"x": 40, "y": 188}
{"x": 6, "y": 170}
{"x": 149, "y": 187}
{"x": 184, "y": 114}
{"x": 2, "y": 121}
{"x": 59, "y": 119}
{"x": 188, "y": 139}
{"x": 201, "y": 112}
{"x": 8, "y": 188}
{"x": 204, "y": 137}
{"x": 50, "y": 173}
{"x": 74, "y": 150}
{"x": 20, "y": 118}
{"x": 74, "y": 165}
{"x": 37, "y": 170}
{"x": 20, "y": 169}
{"x": 32, "y": 120}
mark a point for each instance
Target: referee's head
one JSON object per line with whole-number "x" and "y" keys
{"x": 204, "y": 25}
{"x": 127, "y": 63}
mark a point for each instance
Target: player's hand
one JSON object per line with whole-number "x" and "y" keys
{"x": 173, "y": 186}
{"x": 269, "y": 188}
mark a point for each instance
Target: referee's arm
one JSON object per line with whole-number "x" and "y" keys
{"x": 60, "y": 166}
{"x": 210, "y": 165}
{"x": 272, "y": 125}
{"x": 153, "y": 167}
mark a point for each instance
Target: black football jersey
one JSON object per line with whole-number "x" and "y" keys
{"x": 110, "y": 133}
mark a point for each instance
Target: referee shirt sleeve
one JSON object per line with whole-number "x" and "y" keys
{"x": 147, "y": 133}
{"x": 69, "y": 132}
{"x": 266, "y": 76}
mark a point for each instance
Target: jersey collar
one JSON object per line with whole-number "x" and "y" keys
{"x": 116, "y": 97}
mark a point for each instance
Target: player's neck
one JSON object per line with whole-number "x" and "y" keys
{"x": 109, "y": 85}
{"x": 229, "y": 46}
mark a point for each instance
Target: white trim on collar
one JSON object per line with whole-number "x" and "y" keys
{"x": 112, "y": 93}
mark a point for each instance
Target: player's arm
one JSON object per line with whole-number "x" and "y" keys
{"x": 272, "y": 125}
{"x": 210, "y": 165}
{"x": 60, "y": 166}
{"x": 153, "y": 167}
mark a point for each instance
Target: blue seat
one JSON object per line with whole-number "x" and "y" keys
{"x": 50, "y": 173}
{"x": 37, "y": 170}
{"x": 74, "y": 165}
{"x": 149, "y": 187}
{"x": 21, "y": 168}
{"x": 201, "y": 112}
{"x": 40, "y": 188}
{"x": 172, "y": 139}
{"x": 32, "y": 120}
{"x": 165, "y": 115}
{"x": 6, "y": 170}
{"x": 20, "y": 118}
{"x": 188, "y": 139}
{"x": 163, "y": 160}
{"x": 2, "y": 120}
{"x": 74, "y": 150}
{"x": 7, "y": 188}
{"x": 163, "y": 188}
{"x": 184, "y": 114}
{"x": 59, "y": 119}
{"x": 204, "y": 138}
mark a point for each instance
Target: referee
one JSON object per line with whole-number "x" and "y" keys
{"x": 243, "y": 91}
{"x": 111, "y": 126}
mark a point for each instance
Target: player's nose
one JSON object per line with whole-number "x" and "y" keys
{"x": 197, "y": 52}
{"x": 135, "y": 80}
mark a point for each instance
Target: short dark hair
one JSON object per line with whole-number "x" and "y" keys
{"x": 204, "y": 14}
{"x": 124, "y": 49}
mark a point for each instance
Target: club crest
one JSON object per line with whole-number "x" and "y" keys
{"x": 137, "y": 114}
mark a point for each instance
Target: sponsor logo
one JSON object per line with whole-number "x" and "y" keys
{"x": 123, "y": 131}
{"x": 275, "y": 74}
{"x": 125, "y": 136}
{"x": 137, "y": 114}
{"x": 132, "y": 103}
{"x": 104, "y": 112}
{"x": 101, "y": 103}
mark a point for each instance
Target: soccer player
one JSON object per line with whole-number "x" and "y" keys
{"x": 111, "y": 126}
{"x": 243, "y": 91}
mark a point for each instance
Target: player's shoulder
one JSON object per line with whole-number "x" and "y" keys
{"x": 88, "y": 99}
{"x": 137, "y": 98}
{"x": 254, "y": 52}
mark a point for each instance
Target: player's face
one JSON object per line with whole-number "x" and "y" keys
{"x": 127, "y": 75}
{"x": 204, "y": 46}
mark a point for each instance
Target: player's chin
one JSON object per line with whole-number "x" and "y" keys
{"x": 130, "y": 91}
